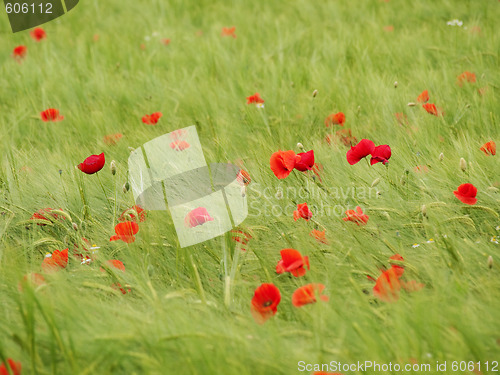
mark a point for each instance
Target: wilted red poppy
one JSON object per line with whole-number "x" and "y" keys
{"x": 466, "y": 193}
{"x": 308, "y": 294}
{"x": 125, "y": 231}
{"x": 292, "y": 261}
{"x": 112, "y": 139}
{"x": 152, "y": 119}
{"x": 265, "y": 302}
{"x": 19, "y": 53}
{"x": 243, "y": 178}
{"x": 15, "y": 368}
{"x": 282, "y": 163}
{"x": 51, "y": 114}
{"x": 302, "y": 211}
{"x": 229, "y": 31}
{"x": 38, "y": 34}
{"x": 196, "y": 217}
{"x": 423, "y": 97}
{"x": 306, "y": 161}
{"x": 381, "y": 153}
{"x": 320, "y": 236}
{"x": 335, "y": 119}
{"x": 46, "y": 214}
{"x": 431, "y": 108}
{"x": 364, "y": 148}
{"x": 466, "y": 77}
{"x": 179, "y": 145}
{"x": 357, "y": 216}
{"x": 388, "y": 286}
{"x": 55, "y": 261}
{"x": 133, "y": 214}
{"x": 255, "y": 99}
{"x": 489, "y": 148}
{"x": 92, "y": 164}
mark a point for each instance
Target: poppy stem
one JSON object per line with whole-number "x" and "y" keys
{"x": 104, "y": 192}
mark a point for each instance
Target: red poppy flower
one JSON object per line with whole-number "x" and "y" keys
{"x": 265, "y": 302}
{"x": 320, "y": 236}
{"x": 466, "y": 193}
{"x": 179, "y": 145}
{"x": 241, "y": 237}
{"x": 165, "y": 41}
{"x": 466, "y": 77}
{"x": 431, "y": 108}
{"x": 308, "y": 294}
{"x": 306, "y": 161}
{"x": 46, "y": 214}
{"x": 51, "y": 114}
{"x": 357, "y": 216}
{"x": 302, "y": 211}
{"x": 401, "y": 118}
{"x": 398, "y": 268}
{"x": 38, "y": 34}
{"x": 56, "y": 261}
{"x": 112, "y": 139}
{"x": 364, "y": 148}
{"x": 19, "y": 53}
{"x": 293, "y": 262}
{"x": 93, "y": 164}
{"x": 133, "y": 213}
{"x": 382, "y": 154}
{"x": 198, "y": 216}
{"x": 125, "y": 231}
{"x": 423, "y": 97}
{"x": 421, "y": 169}
{"x": 255, "y": 98}
{"x": 178, "y": 135}
{"x": 33, "y": 279}
{"x": 335, "y": 119}
{"x": 344, "y": 136}
{"x": 388, "y": 286}
{"x": 229, "y": 31}
{"x": 282, "y": 163}
{"x": 243, "y": 178}
{"x": 489, "y": 148}
{"x": 114, "y": 263}
{"x": 15, "y": 368}
{"x": 152, "y": 119}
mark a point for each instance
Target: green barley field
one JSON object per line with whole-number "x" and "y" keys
{"x": 188, "y": 310}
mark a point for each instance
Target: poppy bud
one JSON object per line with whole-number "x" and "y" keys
{"x": 411, "y": 104}
{"x": 463, "y": 164}
{"x": 441, "y": 157}
{"x": 75, "y": 226}
{"x": 375, "y": 182}
{"x": 315, "y": 92}
{"x": 131, "y": 149}
{"x": 492, "y": 189}
{"x": 490, "y": 262}
{"x": 112, "y": 167}
{"x": 395, "y": 84}
{"x": 126, "y": 187}
{"x": 424, "y": 211}
{"x": 300, "y": 146}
